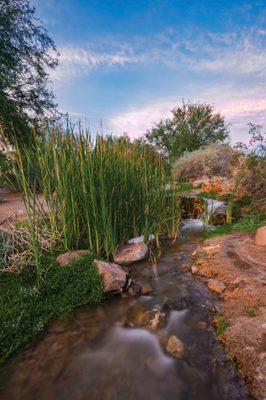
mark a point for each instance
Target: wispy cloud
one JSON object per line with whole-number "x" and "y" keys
{"x": 73, "y": 62}
{"x": 238, "y": 112}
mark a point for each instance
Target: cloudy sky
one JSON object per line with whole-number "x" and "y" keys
{"x": 124, "y": 64}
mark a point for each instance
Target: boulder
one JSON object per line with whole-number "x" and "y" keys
{"x": 153, "y": 320}
{"x": 175, "y": 347}
{"x": 114, "y": 278}
{"x": 216, "y": 286}
{"x": 260, "y": 236}
{"x": 71, "y": 256}
{"x": 131, "y": 253}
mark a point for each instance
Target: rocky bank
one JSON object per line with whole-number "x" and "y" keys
{"x": 234, "y": 266}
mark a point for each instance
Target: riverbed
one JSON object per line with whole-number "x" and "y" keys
{"x": 97, "y": 353}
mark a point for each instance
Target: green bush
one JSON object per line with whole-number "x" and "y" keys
{"x": 248, "y": 223}
{"x": 25, "y": 310}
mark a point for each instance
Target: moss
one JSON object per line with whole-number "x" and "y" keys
{"x": 221, "y": 325}
{"x": 26, "y": 309}
{"x": 249, "y": 313}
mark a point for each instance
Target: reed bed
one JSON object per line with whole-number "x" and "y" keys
{"x": 95, "y": 194}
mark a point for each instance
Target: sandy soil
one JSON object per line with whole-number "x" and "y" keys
{"x": 12, "y": 208}
{"x": 238, "y": 268}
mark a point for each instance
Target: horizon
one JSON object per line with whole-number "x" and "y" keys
{"x": 123, "y": 66}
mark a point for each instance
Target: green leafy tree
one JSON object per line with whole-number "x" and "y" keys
{"x": 191, "y": 127}
{"x": 27, "y": 54}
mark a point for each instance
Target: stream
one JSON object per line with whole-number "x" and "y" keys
{"x": 94, "y": 354}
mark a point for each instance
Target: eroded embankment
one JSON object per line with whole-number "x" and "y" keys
{"x": 236, "y": 269}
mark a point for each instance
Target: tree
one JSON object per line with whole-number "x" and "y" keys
{"x": 191, "y": 127}
{"x": 26, "y": 55}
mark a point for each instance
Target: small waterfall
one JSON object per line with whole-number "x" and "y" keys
{"x": 215, "y": 210}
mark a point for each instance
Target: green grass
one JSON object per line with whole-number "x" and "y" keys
{"x": 248, "y": 223}
{"x": 98, "y": 193}
{"x": 249, "y": 313}
{"x": 221, "y": 325}
{"x": 25, "y": 310}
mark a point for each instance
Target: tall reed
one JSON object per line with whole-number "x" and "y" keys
{"x": 97, "y": 194}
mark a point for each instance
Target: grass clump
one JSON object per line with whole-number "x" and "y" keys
{"x": 249, "y": 313}
{"x": 248, "y": 223}
{"x": 96, "y": 194}
{"x": 221, "y": 325}
{"x": 26, "y": 309}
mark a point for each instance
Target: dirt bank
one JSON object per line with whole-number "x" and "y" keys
{"x": 236, "y": 269}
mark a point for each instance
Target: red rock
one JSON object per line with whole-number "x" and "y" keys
{"x": 216, "y": 286}
{"x": 260, "y": 236}
{"x": 131, "y": 253}
{"x": 71, "y": 256}
{"x": 175, "y": 347}
{"x": 115, "y": 279}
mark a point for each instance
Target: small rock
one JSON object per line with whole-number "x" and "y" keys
{"x": 70, "y": 256}
{"x": 131, "y": 253}
{"x": 153, "y": 320}
{"x": 202, "y": 325}
{"x": 183, "y": 303}
{"x": 194, "y": 269}
{"x": 134, "y": 290}
{"x": 145, "y": 288}
{"x": 216, "y": 286}
{"x": 175, "y": 347}
{"x": 260, "y": 236}
{"x": 168, "y": 304}
{"x": 114, "y": 278}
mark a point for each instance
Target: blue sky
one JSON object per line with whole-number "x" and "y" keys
{"x": 125, "y": 64}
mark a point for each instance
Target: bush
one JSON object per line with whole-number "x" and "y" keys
{"x": 212, "y": 160}
{"x": 25, "y": 310}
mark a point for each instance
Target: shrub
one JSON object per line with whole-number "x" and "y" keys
{"x": 25, "y": 309}
{"x": 211, "y": 160}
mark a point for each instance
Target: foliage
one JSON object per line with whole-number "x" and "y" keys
{"x": 221, "y": 324}
{"x": 97, "y": 194}
{"x": 249, "y": 312}
{"x": 26, "y": 56}
{"x": 248, "y": 223}
{"x": 211, "y": 160}
{"x": 191, "y": 127}
{"x": 25, "y": 310}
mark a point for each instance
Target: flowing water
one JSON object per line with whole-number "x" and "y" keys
{"x": 94, "y": 356}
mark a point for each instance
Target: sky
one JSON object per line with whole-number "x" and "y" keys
{"x": 124, "y": 64}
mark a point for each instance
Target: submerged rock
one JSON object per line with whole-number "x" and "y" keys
{"x": 216, "y": 286}
{"x": 145, "y": 288}
{"x": 175, "y": 347}
{"x": 260, "y": 236}
{"x": 114, "y": 278}
{"x": 153, "y": 320}
{"x": 70, "y": 256}
{"x": 131, "y": 253}
{"x": 134, "y": 290}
